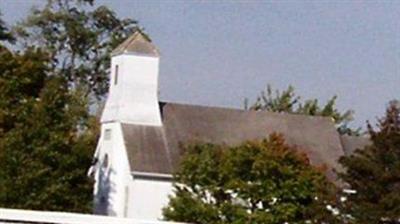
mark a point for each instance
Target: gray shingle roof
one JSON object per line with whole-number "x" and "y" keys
{"x": 156, "y": 149}
{"x": 352, "y": 143}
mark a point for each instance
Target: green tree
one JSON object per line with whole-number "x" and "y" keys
{"x": 288, "y": 101}
{"x": 374, "y": 173}
{"x": 79, "y": 38}
{"x": 255, "y": 182}
{"x": 46, "y": 142}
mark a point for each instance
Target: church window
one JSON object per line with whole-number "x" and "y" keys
{"x": 116, "y": 75}
{"x": 107, "y": 134}
{"x": 105, "y": 161}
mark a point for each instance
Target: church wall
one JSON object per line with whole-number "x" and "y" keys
{"x": 112, "y": 173}
{"x": 147, "y": 198}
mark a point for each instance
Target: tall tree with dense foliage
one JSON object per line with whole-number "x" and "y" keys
{"x": 287, "y": 101}
{"x": 374, "y": 173}
{"x": 45, "y": 143}
{"x": 79, "y": 38}
{"x": 255, "y": 182}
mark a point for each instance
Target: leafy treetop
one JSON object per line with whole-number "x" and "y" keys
{"x": 255, "y": 182}
{"x": 287, "y": 101}
{"x": 79, "y": 38}
{"x": 374, "y": 173}
{"x": 5, "y": 35}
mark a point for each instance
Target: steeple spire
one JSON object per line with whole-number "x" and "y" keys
{"x": 138, "y": 43}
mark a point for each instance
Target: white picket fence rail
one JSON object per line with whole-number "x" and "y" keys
{"x": 24, "y": 216}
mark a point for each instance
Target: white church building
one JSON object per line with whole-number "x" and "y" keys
{"x": 139, "y": 147}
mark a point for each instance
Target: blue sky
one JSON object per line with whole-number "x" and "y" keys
{"x": 220, "y": 52}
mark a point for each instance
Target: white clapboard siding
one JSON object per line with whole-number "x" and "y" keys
{"x": 29, "y": 216}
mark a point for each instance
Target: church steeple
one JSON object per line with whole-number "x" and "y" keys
{"x": 133, "y": 92}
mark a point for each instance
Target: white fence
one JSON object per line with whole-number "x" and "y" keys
{"x": 28, "y": 216}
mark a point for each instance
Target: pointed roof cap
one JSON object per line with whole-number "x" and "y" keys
{"x": 138, "y": 43}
